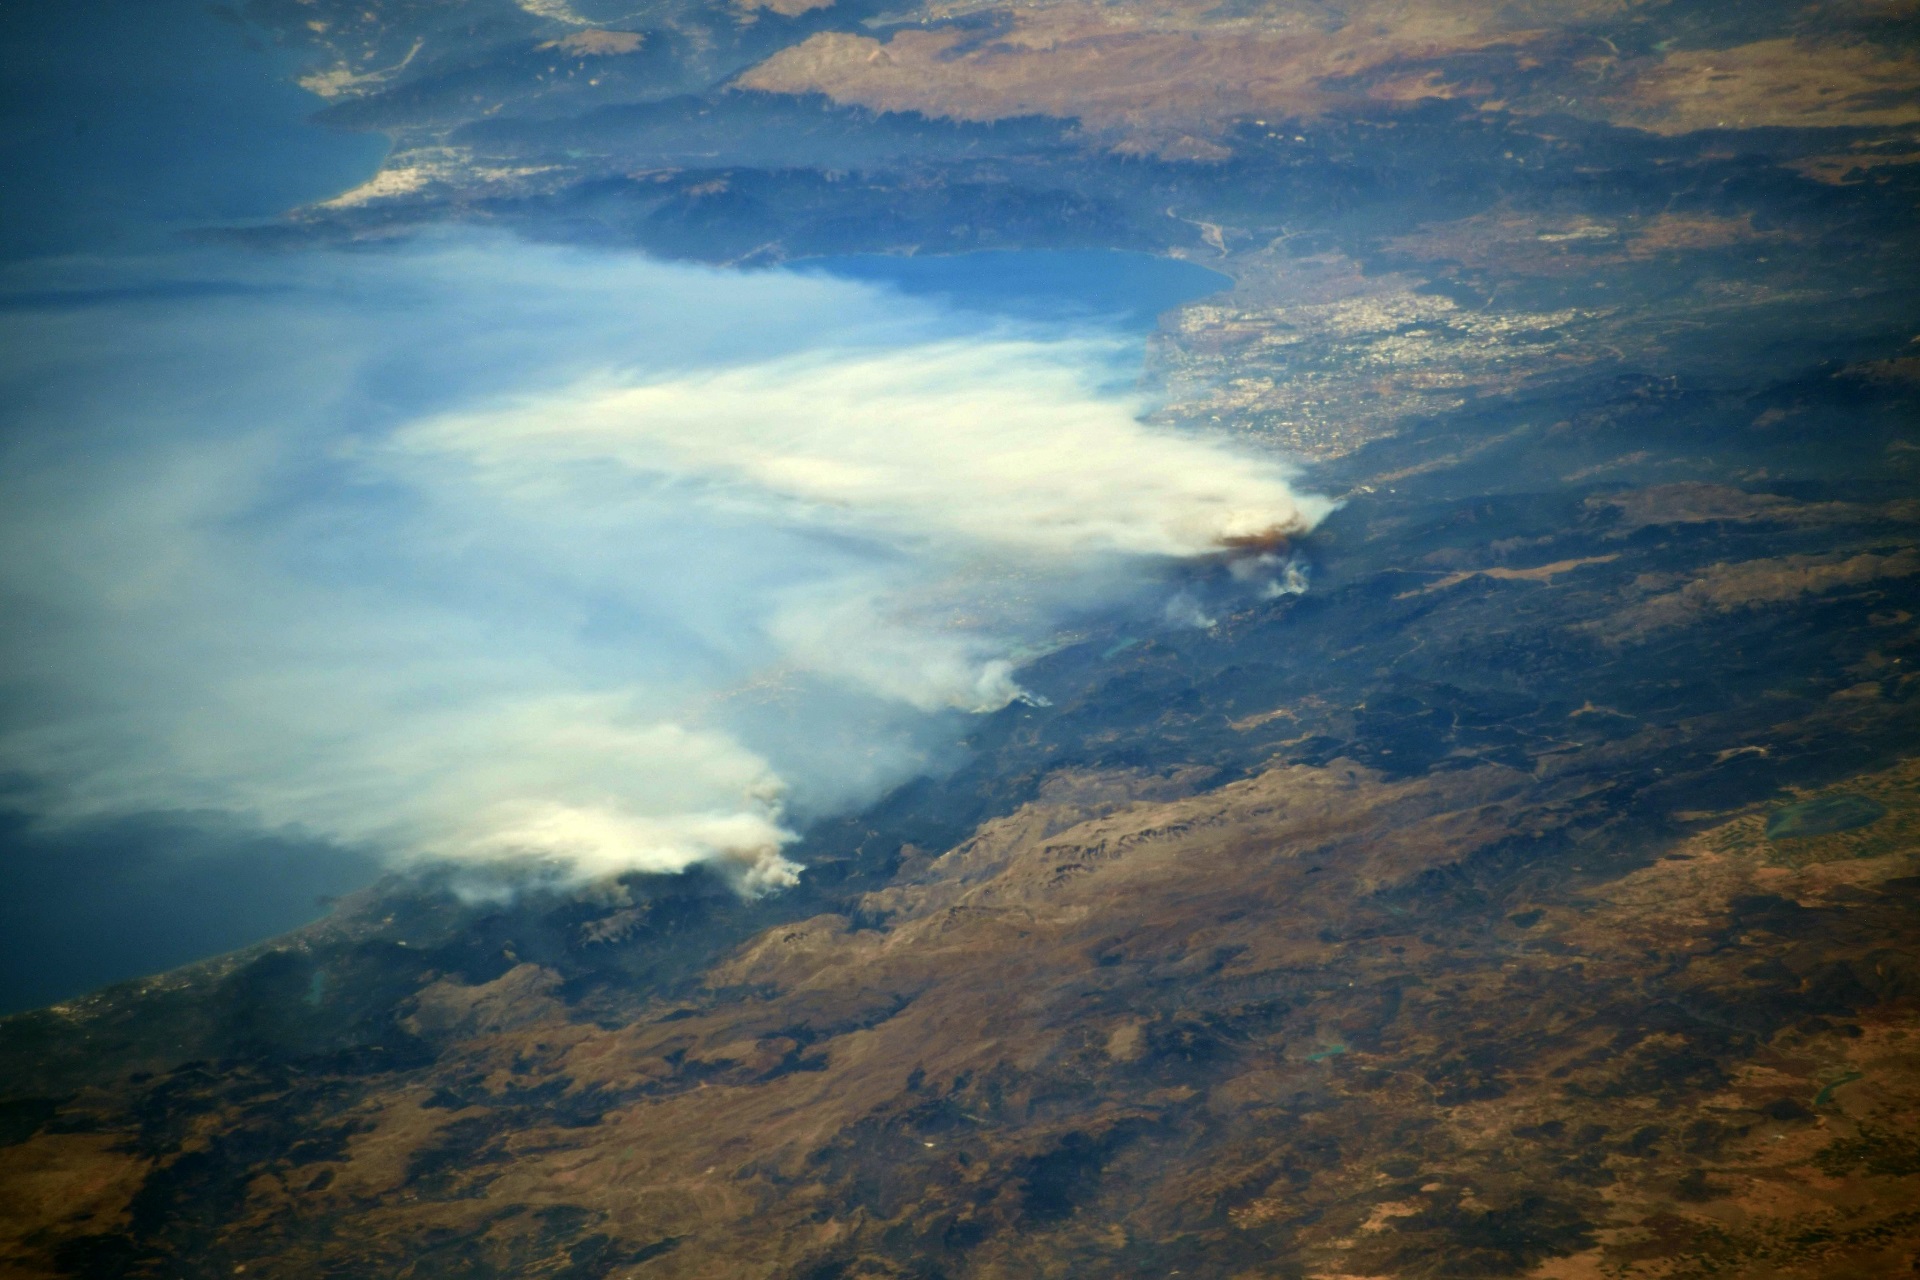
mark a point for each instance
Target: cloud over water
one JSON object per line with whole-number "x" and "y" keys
{"x": 480, "y": 552}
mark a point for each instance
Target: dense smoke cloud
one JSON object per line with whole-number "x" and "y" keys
{"x": 488, "y": 553}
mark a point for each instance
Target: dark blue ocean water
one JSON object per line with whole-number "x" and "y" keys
{"x": 125, "y": 125}
{"x": 125, "y": 122}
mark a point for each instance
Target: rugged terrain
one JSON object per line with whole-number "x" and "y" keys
{"x": 1534, "y": 895}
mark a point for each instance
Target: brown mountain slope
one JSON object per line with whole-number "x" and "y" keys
{"x": 1217, "y": 1035}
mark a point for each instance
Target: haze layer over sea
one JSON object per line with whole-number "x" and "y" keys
{"x": 547, "y": 562}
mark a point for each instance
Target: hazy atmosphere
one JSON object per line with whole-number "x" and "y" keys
{"x": 846, "y": 640}
{"x": 476, "y": 550}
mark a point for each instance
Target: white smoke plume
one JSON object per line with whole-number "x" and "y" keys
{"x": 486, "y": 553}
